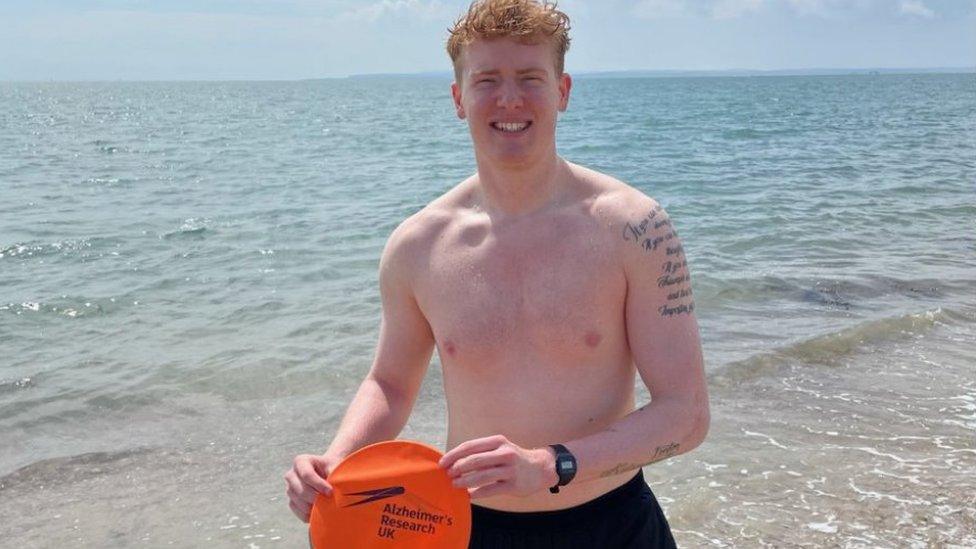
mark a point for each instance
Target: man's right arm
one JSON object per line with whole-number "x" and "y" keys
{"x": 383, "y": 403}
{"x": 386, "y": 396}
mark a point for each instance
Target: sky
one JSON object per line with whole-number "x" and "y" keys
{"x": 297, "y": 39}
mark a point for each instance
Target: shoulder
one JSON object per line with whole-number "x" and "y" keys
{"x": 411, "y": 242}
{"x": 651, "y": 255}
{"x": 619, "y": 206}
{"x": 636, "y": 228}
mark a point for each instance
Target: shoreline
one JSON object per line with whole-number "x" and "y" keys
{"x": 808, "y": 453}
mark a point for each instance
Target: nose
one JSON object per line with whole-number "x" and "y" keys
{"x": 509, "y": 95}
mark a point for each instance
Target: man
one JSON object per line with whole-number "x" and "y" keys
{"x": 543, "y": 285}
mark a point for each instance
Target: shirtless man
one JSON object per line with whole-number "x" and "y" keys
{"x": 544, "y": 286}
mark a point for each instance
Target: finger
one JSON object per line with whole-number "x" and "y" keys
{"x": 485, "y": 476}
{"x": 311, "y": 478}
{"x": 300, "y": 511}
{"x": 470, "y": 447}
{"x": 304, "y": 495}
{"x": 298, "y": 490}
{"x": 484, "y": 460}
{"x": 489, "y": 490}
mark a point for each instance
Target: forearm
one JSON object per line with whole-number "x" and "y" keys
{"x": 378, "y": 412}
{"x": 652, "y": 433}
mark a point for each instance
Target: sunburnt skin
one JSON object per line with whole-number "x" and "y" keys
{"x": 544, "y": 287}
{"x": 528, "y": 318}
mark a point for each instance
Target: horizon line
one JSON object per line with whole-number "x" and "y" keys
{"x": 605, "y": 73}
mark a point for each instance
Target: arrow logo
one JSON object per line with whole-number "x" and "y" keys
{"x": 378, "y": 494}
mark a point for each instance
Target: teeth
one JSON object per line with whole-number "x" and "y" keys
{"x": 511, "y": 126}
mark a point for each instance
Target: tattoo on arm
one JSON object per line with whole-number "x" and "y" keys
{"x": 660, "y": 453}
{"x": 619, "y": 468}
{"x": 653, "y": 230}
{"x": 664, "y": 452}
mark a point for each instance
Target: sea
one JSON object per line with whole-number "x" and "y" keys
{"x": 188, "y": 295}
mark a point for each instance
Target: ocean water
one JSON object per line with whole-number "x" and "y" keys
{"x": 188, "y": 296}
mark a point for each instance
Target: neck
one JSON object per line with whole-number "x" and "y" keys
{"x": 513, "y": 191}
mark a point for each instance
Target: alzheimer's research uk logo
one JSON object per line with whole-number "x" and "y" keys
{"x": 378, "y": 494}
{"x": 395, "y": 519}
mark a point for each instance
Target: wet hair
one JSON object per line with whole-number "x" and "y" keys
{"x": 526, "y": 21}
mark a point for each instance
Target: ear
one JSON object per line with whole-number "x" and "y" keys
{"x": 456, "y": 94}
{"x": 565, "y": 84}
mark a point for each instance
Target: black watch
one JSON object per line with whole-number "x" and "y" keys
{"x": 565, "y": 466}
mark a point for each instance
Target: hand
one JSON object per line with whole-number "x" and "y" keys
{"x": 306, "y": 480}
{"x": 494, "y": 466}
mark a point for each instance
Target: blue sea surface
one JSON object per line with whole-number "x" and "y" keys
{"x": 188, "y": 276}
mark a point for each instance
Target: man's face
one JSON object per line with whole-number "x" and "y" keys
{"x": 510, "y": 95}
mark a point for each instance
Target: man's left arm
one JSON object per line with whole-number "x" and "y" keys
{"x": 662, "y": 333}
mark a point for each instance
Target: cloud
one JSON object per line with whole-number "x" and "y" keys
{"x": 432, "y": 10}
{"x": 830, "y": 8}
{"x": 674, "y": 9}
{"x": 805, "y": 7}
{"x": 916, "y": 7}
{"x": 730, "y": 9}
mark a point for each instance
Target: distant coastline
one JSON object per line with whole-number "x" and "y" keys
{"x": 702, "y": 73}
{"x": 583, "y": 74}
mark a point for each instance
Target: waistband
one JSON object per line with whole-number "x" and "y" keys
{"x": 595, "y": 509}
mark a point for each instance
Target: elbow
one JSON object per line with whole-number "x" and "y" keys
{"x": 700, "y": 426}
{"x": 703, "y": 424}
{"x": 394, "y": 395}
{"x": 702, "y": 414}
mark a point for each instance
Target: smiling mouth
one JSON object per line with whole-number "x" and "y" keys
{"x": 511, "y": 127}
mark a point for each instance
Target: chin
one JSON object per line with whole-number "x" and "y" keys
{"x": 512, "y": 160}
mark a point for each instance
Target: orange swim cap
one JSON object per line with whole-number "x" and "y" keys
{"x": 391, "y": 494}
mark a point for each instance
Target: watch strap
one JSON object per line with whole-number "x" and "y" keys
{"x": 565, "y": 466}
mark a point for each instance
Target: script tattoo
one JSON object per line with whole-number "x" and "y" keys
{"x": 619, "y": 468}
{"x": 664, "y": 452}
{"x": 660, "y": 453}
{"x": 653, "y": 230}
{"x": 637, "y": 231}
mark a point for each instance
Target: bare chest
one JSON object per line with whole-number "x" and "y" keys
{"x": 549, "y": 293}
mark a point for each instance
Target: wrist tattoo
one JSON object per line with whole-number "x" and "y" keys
{"x": 660, "y": 453}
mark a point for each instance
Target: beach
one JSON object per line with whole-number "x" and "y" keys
{"x": 188, "y": 296}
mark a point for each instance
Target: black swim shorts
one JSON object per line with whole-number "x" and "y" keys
{"x": 627, "y": 517}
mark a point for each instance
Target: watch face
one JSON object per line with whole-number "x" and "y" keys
{"x": 566, "y": 465}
